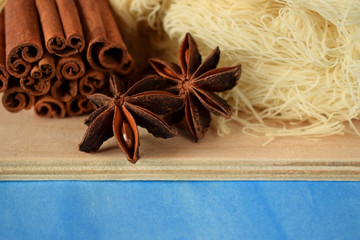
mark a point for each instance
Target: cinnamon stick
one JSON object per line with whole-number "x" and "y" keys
{"x": 71, "y": 23}
{"x": 106, "y": 49}
{"x": 34, "y": 86}
{"x": 4, "y": 75}
{"x": 22, "y": 36}
{"x": 36, "y": 72}
{"x": 48, "y": 106}
{"x": 64, "y": 90}
{"x": 16, "y": 98}
{"x": 61, "y": 26}
{"x": 70, "y": 68}
{"x": 46, "y": 66}
{"x": 92, "y": 81}
{"x": 44, "y": 69}
{"x": 32, "y": 32}
{"x": 79, "y": 105}
{"x": 38, "y": 82}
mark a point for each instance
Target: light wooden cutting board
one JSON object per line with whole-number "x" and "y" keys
{"x": 34, "y": 148}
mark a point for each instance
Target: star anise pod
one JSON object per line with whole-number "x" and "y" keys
{"x": 121, "y": 115}
{"x": 196, "y": 82}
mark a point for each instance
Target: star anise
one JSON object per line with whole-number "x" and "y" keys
{"x": 196, "y": 82}
{"x": 120, "y": 115}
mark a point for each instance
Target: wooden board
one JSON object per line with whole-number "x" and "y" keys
{"x": 34, "y": 148}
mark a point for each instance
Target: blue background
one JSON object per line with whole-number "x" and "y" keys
{"x": 179, "y": 210}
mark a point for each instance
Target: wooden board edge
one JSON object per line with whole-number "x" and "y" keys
{"x": 275, "y": 174}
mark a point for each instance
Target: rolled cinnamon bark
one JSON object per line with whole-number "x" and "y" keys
{"x": 48, "y": 106}
{"x": 106, "y": 49}
{"x": 45, "y": 68}
{"x": 70, "y": 68}
{"x": 79, "y": 105}
{"x": 4, "y": 75}
{"x": 22, "y": 37}
{"x": 71, "y": 23}
{"x": 16, "y": 98}
{"x": 36, "y": 87}
{"x": 92, "y": 81}
{"x": 64, "y": 90}
{"x": 36, "y": 72}
{"x": 61, "y": 26}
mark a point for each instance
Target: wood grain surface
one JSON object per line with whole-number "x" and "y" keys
{"x": 34, "y": 148}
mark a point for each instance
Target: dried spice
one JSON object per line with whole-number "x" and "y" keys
{"x": 45, "y": 68}
{"x": 106, "y": 49}
{"x": 121, "y": 115}
{"x": 64, "y": 89}
{"x": 91, "y": 82}
{"x": 78, "y": 105}
{"x": 24, "y": 45}
{"x": 60, "y": 52}
{"x": 35, "y": 86}
{"x": 196, "y": 81}
{"x": 60, "y": 21}
{"x": 16, "y": 98}
{"x": 70, "y": 68}
{"x": 48, "y": 106}
{"x": 4, "y": 75}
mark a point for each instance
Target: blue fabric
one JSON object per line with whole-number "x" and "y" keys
{"x": 179, "y": 210}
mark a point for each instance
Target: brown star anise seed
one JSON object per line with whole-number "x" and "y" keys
{"x": 121, "y": 115}
{"x": 196, "y": 82}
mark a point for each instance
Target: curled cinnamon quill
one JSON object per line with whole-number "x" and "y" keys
{"x": 48, "y": 106}
{"x": 35, "y": 86}
{"x": 45, "y": 68}
{"x": 64, "y": 90}
{"x": 70, "y": 68}
{"x": 106, "y": 49}
{"x": 61, "y": 26}
{"x": 16, "y": 99}
{"x": 92, "y": 81}
{"x": 4, "y": 78}
{"x": 23, "y": 37}
{"x": 38, "y": 82}
{"x": 78, "y": 105}
{"x": 4, "y": 75}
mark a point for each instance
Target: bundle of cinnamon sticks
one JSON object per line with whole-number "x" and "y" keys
{"x": 54, "y": 53}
